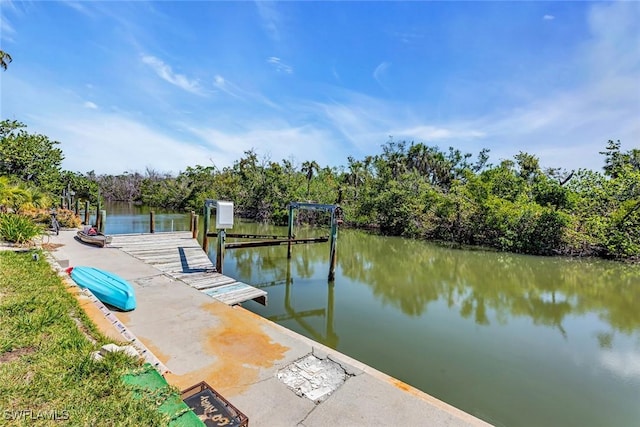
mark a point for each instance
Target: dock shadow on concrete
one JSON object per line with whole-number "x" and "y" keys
{"x": 240, "y": 354}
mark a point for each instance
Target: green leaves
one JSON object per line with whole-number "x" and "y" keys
{"x": 33, "y": 158}
{"x": 19, "y": 229}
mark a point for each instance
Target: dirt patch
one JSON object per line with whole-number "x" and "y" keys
{"x": 94, "y": 314}
{"x": 51, "y": 246}
{"x": 15, "y": 354}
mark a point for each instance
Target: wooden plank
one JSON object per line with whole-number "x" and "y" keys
{"x": 179, "y": 256}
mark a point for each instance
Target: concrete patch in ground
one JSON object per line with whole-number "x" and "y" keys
{"x": 312, "y": 377}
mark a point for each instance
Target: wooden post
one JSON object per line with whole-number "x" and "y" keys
{"x": 205, "y": 239}
{"x": 103, "y": 221}
{"x": 98, "y": 220}
{"x": 152, "y": 222}
{"x": 77, "y": 208}
{"x": 220, "y": 251}
{"x": 86, "y": 212}
{"x": 193, "y": 214}
{"x": 290, "y": 231}
{"x": 98, "y": 210}
{"x": 332, "y": 255}
{"x": 194, "y": 227}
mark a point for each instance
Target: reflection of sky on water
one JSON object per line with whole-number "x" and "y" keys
{"x": 624, "y": 364}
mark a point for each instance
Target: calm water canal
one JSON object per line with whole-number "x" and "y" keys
{"x": 515, "y": 340}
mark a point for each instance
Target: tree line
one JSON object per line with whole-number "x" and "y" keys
{"x": 409, "y": 189}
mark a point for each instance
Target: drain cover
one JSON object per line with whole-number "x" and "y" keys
{"x": 313, "y": 378}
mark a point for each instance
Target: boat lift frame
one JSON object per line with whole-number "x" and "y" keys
{"x": 273, "y": 240}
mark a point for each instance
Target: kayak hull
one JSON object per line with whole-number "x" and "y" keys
{"x": 107, "y": 287}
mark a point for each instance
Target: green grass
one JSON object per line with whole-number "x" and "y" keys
{"x": 45, "y": 363}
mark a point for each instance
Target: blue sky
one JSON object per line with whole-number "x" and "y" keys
{"x": 129, "y": 85}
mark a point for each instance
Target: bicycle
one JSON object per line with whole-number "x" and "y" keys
{"x": 54, "y": 222}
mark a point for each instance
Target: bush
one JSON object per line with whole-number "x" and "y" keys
{"x": 16, "y": 228}
{"x": 66, "y": 218}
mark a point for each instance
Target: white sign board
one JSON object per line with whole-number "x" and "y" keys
{"x": 224, "y": 215}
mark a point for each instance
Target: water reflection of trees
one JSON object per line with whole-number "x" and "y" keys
{"x": 409, "y": 274}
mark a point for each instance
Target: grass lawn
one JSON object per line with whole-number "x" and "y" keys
{"x": 46, "y": 371}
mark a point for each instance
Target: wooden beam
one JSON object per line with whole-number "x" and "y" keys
{"x": 261, "y": 243}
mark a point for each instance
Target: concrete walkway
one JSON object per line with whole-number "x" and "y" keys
{"x": 240, "y": 354}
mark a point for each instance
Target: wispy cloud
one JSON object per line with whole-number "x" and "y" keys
{"x": 270, "y": 17}
{"x": 428, "y": 133}
{"x": 276, "y": 139}
{"x": 231, "y": 89}
{"x": 90, "y": 105}
{"x": 408, "y": 37}
{"x": 79, "y": 7}
{"x": 165, "y": 72}
{"x": 280, "y": 66}
{"x": 380, "y": 71}
{"x": 6, "y": 30}
{"x": 548, "y": 17}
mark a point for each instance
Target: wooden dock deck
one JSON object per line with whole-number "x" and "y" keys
{"x": 180, "y": 256}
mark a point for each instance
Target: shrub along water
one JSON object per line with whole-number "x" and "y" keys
{"x": 412, "y": 190}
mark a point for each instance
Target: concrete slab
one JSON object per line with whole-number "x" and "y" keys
{"x": 240, "y": 353}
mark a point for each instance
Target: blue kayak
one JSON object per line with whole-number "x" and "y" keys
{"x": 107, "y": 287}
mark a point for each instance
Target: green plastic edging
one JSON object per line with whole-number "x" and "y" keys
{"x": 148, "y": 380}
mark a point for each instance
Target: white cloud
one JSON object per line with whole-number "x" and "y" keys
{"x": 112, "y": 143}
{"x": 425, "y": 133}
{"x": 270, "y": 17}
{"x": 6, "y": 30}
{"x": 165, "y": 72}
{"x": 90, "y": 105}
{"x": 79, "y": 8}
{"x": 225, "y": 86}
{"x": 380, "y": 70}
{"x": 407, "y": 37}
{"x": 275, "y": 138}
{"x": 548, "y": 17}
{"x": 279, "y": 65}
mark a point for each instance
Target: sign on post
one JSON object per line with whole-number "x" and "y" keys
{"x": 224, "y": 215}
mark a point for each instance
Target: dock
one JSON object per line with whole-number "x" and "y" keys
{"x": 273, "y": 375}
{"x": 179, "y": 256}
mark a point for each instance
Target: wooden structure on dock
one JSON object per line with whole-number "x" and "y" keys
{"x": 179, "y": 255}
{"x": 271, "y": 240}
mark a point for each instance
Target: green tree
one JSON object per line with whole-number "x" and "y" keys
{"x": 5, "y": 59}
{"x": 32, "y": 158}
{"x": 308, "y": 169}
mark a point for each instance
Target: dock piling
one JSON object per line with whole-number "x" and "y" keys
{"x": 220, "y": 251}
{"x": 194, "y": 226}
{"x": 86, "y": 212}
{"x": 332, "y": 254}
{"x": 290, "y": 231}
{"x": 205, "y": 238}
{"x": 103, "y": 221}
{"x": 152, "y": 222}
